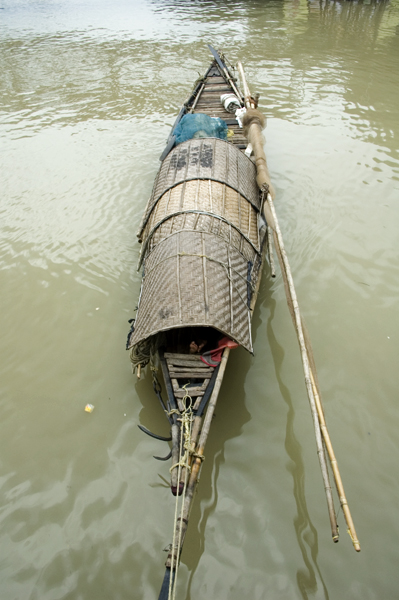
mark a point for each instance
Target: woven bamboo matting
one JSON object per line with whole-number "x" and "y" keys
{"x": 206, "y": 196}
{"x": 207, "y": 159}
{"x": 194, "y": 278}
{"x": 196, "y": 221}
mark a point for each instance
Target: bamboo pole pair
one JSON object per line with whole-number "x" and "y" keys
{"x": 334, "y": 466}
{"x": 181, "y": 523}
{"x": 253, "y": 125}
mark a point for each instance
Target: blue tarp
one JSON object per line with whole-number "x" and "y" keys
{"x": 199, "y": 125}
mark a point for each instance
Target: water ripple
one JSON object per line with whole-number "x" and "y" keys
{"x": 88, "y": 93}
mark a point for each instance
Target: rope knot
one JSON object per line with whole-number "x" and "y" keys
{"x": 200, "y": 456}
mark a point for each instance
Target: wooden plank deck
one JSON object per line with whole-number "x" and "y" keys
{"x": 209, "y": 103}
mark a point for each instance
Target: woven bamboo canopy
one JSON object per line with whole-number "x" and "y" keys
{"x": 201, "y": 250}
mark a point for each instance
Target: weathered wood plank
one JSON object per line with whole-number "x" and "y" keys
{"x": 182, "y": 394}
{"x": 222, "y": 89}
{"x": 197, "y": 402}
{"x": 211, "y": 105}
{"x": 190, "y": 374}
{"x": 186, "y": 363}
{"x": 186, "y": 367}
{"x": 211, "y": 93}
{"x": 191, "y": 390}
{"x": 193, "y": 357}
{"x": 216, "y": 79}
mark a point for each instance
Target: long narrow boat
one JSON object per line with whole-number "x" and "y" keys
{"x": 203, "y": 234}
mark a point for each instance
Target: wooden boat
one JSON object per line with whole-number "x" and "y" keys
{"x": 203, "y": 238}
{"x": 203, "y": 235}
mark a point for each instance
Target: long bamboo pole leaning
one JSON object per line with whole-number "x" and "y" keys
{"x": 249, "y": 103}
{"x": 254, "y": 134}
{"x": 334, "y": 466}
{"x": 295, "y": 313}
{"x": 270, "y": 252}
{"x": 253, "y": 124}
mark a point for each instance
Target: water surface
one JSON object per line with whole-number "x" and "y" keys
{"x": 89, "y": 90}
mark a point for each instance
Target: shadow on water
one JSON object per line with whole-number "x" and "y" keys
{"x": 305, "y": 531}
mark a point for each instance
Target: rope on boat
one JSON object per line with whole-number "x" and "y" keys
{"x": 188, "y": 492}
{"x": 140, "y": 354}
{"x": 186, "y": 419}
{"x": 145, "y": 351}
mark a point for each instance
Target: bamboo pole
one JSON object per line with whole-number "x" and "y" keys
{"x": 295, "y": 313}
{"x": 253, "y": 122}
{"x": 224, "y": 72}
{"x": 182, "y": 522}
{"x": 270, "y": 253}
{"x": 254, "y": 134}
{"x": 334, "y": 466}
{"x": 175, "y": 430}
{"x": 249, "y": 102}
{"x": 194, "y": 436}
{"x": 197, "y": 98}
{"x": 313, "y": 395}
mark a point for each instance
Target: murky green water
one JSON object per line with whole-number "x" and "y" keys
{"x": 89, "y": 90}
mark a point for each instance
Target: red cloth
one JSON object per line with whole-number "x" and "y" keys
{"x": 215, "y": 356}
